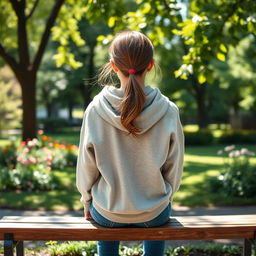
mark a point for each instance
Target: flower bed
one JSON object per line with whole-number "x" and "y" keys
{"x": 29, "y": 165}
{"x": 239, "y": 174}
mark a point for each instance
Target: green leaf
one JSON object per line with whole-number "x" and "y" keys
{"x": 111, "y": 21}
{"x": 221, "y": 56}
{"x": 223, "y": 48}
{"x": 201, "y": 78}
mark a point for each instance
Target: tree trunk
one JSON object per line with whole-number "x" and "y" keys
{"x": 70, "y": 111}
{"x": 87, "y": 89}
{"x": 202, "y": 115}
{"x": 200, "y": 96}
{"x": 28, "y": 89}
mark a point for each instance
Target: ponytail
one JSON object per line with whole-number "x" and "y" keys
{"x": 131, "y": 52}
{"x": 132, "y": 104}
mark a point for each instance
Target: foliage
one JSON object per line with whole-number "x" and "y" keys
{"x": 53, "y": 124}
{"x": 202, "y": 137}
{"x": 239, "y": 175}
{"x": 209, "y": 30}
{"x": 90, "y": 249}
{"x": 208, "y": 250}
{"x": 10, "y": 112}
{"x": 237, "y": 76}
{"x": 238, "y": 137}
{"x": 29, "y": 166}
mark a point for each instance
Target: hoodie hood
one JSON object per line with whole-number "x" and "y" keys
{"x": 107, "y": 101}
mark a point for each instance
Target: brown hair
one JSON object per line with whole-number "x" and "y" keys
{"x": 129, "y": 50}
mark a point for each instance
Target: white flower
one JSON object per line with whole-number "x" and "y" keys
{"x": 221, "y": 177}
{"x": 30, "y": 143}
{"x": 235, "y": 153}
{"x": 244, "y": 151}
{"x": 220, "y": 152}
{"x": 229, "y": 148}
{"x": 35, "y": 141}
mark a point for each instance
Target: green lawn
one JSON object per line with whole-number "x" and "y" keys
{"x": 201, "y": 162}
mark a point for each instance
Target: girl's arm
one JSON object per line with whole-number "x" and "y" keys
{"x": 173, "y": 166}
{"x": 86, "y": 172}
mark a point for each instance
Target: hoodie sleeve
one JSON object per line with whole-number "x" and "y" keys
{"x": 86, "y": 172}
{"x": 173, "y": 166}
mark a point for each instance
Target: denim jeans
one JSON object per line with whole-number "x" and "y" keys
{"x": 150, "y": 248}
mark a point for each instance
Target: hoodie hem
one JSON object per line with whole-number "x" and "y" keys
{"x": 131, "y": 218}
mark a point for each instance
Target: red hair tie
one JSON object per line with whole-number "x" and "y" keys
{"x": 132, "y": 71}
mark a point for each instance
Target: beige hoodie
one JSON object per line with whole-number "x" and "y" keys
{"x": 130, "y": 179}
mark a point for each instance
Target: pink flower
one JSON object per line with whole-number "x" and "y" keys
{"x": 26, "y": 150}
{"x": 32, "y": 160}
{"x": 25, "y": 162}
{"x": 40, "y": 132}
{"x": 28, "y": 183}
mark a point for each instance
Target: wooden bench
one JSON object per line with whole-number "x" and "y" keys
{"x": 16, "y": 229}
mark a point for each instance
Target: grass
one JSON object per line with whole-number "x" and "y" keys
{"x": 201, "y": 163}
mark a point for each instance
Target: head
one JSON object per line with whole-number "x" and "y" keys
{"x": 131, "y": 57}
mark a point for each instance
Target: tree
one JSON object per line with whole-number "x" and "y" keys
{"x": 23, "y": 40}
{"x": 18, "y": 57}
{"x": 10, "y": 112}
{"x": 208, "y": 31}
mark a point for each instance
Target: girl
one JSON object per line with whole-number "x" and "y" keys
{"x": 131, "y": 147}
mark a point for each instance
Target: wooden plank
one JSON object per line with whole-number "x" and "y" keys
{"x": 126, "y": 234}
{"x": 85, "y": 225}
{"x": 225, "y": 219}
{"x": 179, "y": 228}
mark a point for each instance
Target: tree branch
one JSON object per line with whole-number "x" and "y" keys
{"x": 46, "y": 34}
{"x": 9, "y": 59}
{"x": 15, "y": 6}
{"x": 33, "y": 9}
{"x": 22, "y": 36}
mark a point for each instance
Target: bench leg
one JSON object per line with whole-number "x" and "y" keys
{"x": 19, "y": 248}
{"x": 247, "y": 251}
{"x": 10, "y": 244}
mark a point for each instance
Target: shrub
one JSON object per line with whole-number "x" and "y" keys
{"x": 239, "y": 175}
{"x": 27, "y": 180}
{"x": 238, "y": 137}
{"x": 90, "y": 249}
{"x": 53, "y": 124}
{"x": 29, "y": 166}
{"x": 202, "y": 137}
{"x": 8, "y": 156}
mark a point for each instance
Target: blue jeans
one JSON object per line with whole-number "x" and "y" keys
{"x": 150, "y": 248}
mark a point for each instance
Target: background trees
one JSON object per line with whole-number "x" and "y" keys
{"x": 197, "y": 38}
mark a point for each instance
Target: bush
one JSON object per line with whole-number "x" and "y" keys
{"x": 8, "y": 156}
{"x": 27, "y": 180}
{"x": 238, "y": 137}
{"x": 203, "y": 137}
{"x": 90, "y": 249}
{"x": 239, "y": 175}
{"x": 29, "y": 166}
{"x": 53, "y": 124}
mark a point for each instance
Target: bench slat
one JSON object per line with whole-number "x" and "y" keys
{"x": 129, "y": 234}
{"x": 179, "y": 228}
